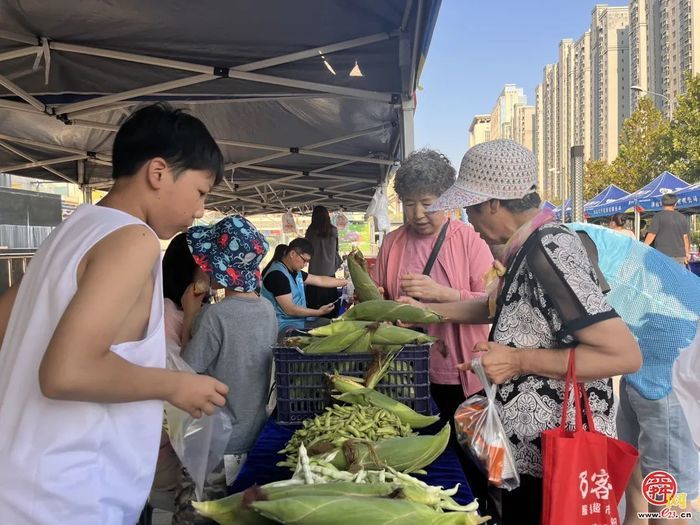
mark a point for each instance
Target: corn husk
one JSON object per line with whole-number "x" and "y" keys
{"x": 334, "y": 343}
{"x": 228, "y": 510}
{"x": 387, "y": 334}
{"x": 351, "y": 510}
{"x": 365, "y": 289}
{"x": 383, "y": 310}
{"x": 405, "y": 413}
{"x": 339, "y": 327}
{"x": 362, "y": 345}
{"x": 405, "y": 454}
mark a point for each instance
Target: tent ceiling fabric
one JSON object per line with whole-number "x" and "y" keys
{"x": 293, "y": 133}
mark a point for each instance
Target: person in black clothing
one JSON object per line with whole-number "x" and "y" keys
{"x": 283, "y": 285}
{"x": 669, "y": 231}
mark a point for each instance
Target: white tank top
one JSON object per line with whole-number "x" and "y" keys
{"x": 72, "y": 462}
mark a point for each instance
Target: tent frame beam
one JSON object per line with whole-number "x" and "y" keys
{"x": 222, "y": 72}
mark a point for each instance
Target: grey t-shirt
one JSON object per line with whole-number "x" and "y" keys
{"x": 232, "y": 342}
{"x": 669, "y": 226}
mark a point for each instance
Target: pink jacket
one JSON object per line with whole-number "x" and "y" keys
{"x": 465, "y": 258}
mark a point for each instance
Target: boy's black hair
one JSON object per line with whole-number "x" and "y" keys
{"x": 178, "y": 269}
{"x": 301, "y": 245}
{"x": 159, "y": 130}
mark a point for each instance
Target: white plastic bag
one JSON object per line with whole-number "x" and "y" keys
{"x": 480, "y": 433}
{"x": 379, "y": 209}
{"x": 289, "y": 225}
{"x": 199, "y": 443}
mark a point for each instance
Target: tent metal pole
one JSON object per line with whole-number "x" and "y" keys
{"x": 55, "y": 147}
{"x": 299, "y": 172}
{"x": 407, "y": 126}
{"x": 8, "y": 84}
{"x": 353, "y": 158}
{"x": 32, "y": 159}
{"x": 284, "y": 151}
{"x": 130, "y": 57}
{"x": 41, "y": 163}
{"x": 313, "y": 86}
{"x": 637, "y": 222}
{"x": 20, "y": 106}
{"x": 19, "y": 53}
{"x": 16, "y": 37}
{"x": 95, "y": 125}
{"x": 133, "y": 93}
{"x": 313, "y": 52}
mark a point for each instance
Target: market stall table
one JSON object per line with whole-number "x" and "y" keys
{"x": 261, "y": 465}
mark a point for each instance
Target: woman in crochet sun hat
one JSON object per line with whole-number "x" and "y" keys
{"x": 498, "y": 169}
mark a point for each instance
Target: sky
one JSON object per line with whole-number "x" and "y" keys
{"x": 478, "y": 46}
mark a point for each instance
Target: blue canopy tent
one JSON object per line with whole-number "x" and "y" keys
{"x": 546, "y": 205}
{"x": 567, "y": 208}
{"x": 608, "y": 195}
{"x": 641, "y": 200}
{"x": 689, "y": 199}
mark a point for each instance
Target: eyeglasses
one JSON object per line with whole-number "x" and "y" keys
{"x": 306, "y": 260}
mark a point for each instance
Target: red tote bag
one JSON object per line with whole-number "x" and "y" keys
{"x": 584, "y": 472}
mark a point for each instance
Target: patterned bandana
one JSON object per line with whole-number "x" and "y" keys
{"x": 230, "y": 252}
{"x": 494, "y": 277}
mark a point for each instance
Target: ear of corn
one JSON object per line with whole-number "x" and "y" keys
{"x": 365, "y": 289}
{"x": 334, "y": 343}
{"x": 406, "y": 454}
{"x": 383, "y": 310}
{"x": 228, "y": 510}
{"x": 347, "y": 510}
{"x": 387, "y": 334}
{"x": 339, "y": 328}
{"x": 362, "y": 344}
{"x": 405, "y": 413}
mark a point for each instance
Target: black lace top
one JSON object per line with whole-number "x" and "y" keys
{"x": 550, "y": 291}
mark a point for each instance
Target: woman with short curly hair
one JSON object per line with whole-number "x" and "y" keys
{"x": 457, "y": 274}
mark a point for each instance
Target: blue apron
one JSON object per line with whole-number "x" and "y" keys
{"x": 296, "y": 285}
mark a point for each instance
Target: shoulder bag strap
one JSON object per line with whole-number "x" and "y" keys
{"x": 436, "y": 248}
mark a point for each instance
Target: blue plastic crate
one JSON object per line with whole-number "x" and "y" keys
{"x": 302, "y": 384}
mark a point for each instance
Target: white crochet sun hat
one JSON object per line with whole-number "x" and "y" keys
{"x": 498, "y": 169}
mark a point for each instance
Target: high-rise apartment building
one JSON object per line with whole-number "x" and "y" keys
{"x": 550, "y": 97}
{"x": 582, "y": 94}
{"x": 610, "y": 78}
{"x": 502, "y": 114}
{"x": 664, "y": 45}
{"x": 479, "y": 130}
{"x": 539, "y": 139}
{"x": 524, "y": 125}
{"x": 565, "y": 113}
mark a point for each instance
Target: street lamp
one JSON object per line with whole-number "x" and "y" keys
{"x": 640, "y": 89}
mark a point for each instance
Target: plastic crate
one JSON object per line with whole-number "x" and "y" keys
{"x": 302, "y": 384}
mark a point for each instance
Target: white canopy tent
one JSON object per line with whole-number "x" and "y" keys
{"x": 275, "y": 81}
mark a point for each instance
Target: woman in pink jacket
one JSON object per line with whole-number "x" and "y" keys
{"x": 462, "y": 259}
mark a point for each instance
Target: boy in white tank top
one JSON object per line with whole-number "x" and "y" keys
{"x": 83, "y": 349}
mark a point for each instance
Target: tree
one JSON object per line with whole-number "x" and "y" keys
{"x": 683, "y": 153}
{"x": 642, "y": 153}
{"x": 597, "y": 175}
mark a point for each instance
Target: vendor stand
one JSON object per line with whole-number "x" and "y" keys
{"x": 261, "y": 465}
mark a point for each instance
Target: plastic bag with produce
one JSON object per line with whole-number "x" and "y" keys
{"x": 480, "y": 432}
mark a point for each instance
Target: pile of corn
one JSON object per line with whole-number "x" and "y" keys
{"x": 340, "y": 423}
{"x": 319, "y": 493}
{"x": 357, "y": 337}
